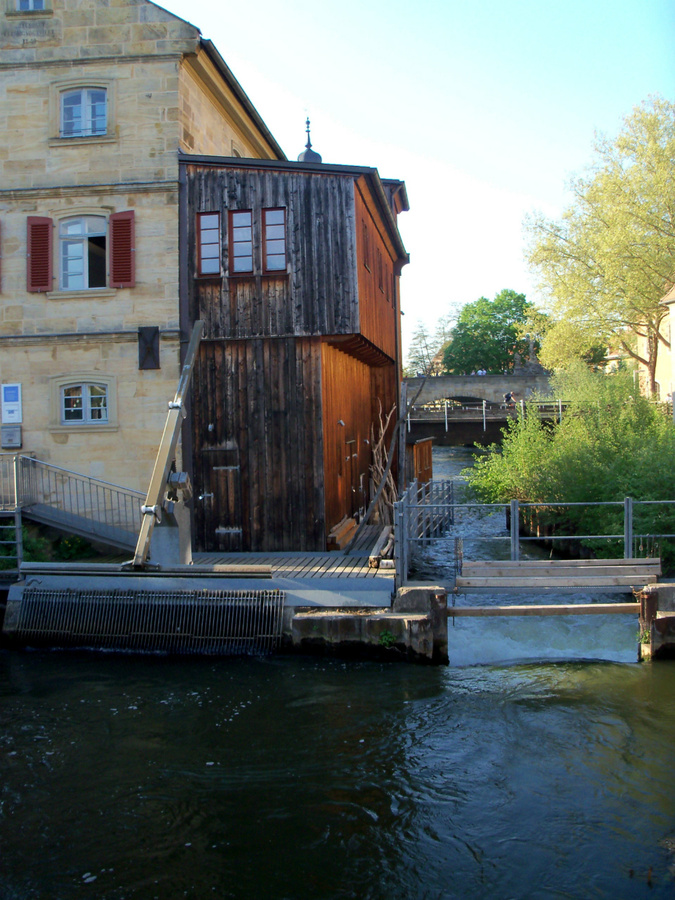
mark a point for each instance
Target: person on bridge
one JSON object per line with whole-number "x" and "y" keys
{"x": 510, "y": 398}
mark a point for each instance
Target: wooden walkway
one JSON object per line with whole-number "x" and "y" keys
{"x": 315, "y": 565}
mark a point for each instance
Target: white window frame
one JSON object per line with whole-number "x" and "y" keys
{"x": 88, "y": 240}
{"x": 87, "y": 103}
{"x": 59, "y": 384}
{"x": 93, "y": 403}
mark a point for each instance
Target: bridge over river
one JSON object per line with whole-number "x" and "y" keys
{"x": 467, "y": 409}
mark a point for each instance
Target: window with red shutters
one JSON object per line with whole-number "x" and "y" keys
{"x": 122, "y": 250}
{"x": 39, "y": 259}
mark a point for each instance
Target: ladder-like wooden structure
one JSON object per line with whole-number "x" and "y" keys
{"x": 546, "y": 576}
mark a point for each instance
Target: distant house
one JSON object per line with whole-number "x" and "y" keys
{"x": 294, "y": 268}
{"x": 108, "y": 249}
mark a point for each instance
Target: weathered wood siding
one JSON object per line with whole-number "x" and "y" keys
{"x": 378, "y": 284}
{"x": 258, "y": 445}
{"x": 346, "y": 391}
{"x": 317, "y": 294}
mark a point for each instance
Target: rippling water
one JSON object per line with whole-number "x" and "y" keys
{"x": 129, "y": 777}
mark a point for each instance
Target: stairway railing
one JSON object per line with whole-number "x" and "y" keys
{"x": 75, "y": 502}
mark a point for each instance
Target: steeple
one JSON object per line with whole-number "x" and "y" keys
{"x": 309, "y": 155}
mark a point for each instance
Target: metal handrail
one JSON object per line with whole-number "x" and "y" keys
{"x": 71, "y": 494}
{"x": 406, "y": 534}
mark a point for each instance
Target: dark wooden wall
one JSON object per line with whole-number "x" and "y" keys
{"x": 318, "y": 293}
{"x": 258, "y": 445}
{"x": 271, "y": 385}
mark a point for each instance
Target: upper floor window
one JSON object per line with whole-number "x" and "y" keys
{"x": 84, "y": 403}
{"x": 82, "y": 253}
{"x": 241, "y": 241}
{"x": 83, "y": 112}
{"x": 274, "y": 237}
{"x": 208, "y": 243}
{"x": 93, "y": 252}
{"x": 30, "y": 5}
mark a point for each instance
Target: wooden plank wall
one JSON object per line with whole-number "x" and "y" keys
{"x": 346, "y": 386}
{"x": 318, "y": 293}
{"x": 378, "y": 285}
{"x": 257, "y": 406}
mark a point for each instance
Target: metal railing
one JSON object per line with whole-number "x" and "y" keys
{"x": 64, "y": 498}
{"x": 424, "y": 512}
{"x": 546, "y": 525}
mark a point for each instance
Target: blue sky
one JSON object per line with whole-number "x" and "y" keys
{"x": 484, "y": 108}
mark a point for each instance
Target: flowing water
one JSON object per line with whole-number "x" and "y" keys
{"x": 509, "y": 774}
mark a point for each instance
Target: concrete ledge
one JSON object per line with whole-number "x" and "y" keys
{"x": 657, "y": 622}
{"x": 415, "y": 629}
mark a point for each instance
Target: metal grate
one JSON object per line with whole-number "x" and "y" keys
{"x": 212, "y": 622}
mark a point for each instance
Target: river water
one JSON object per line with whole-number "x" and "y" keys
{"x": 538, "y": 767}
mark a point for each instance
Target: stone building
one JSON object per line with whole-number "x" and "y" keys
{"x": 97, "y": 100}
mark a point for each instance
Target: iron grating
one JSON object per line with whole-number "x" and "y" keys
{"x": 198, "y": 621}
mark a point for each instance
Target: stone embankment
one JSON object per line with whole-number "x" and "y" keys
{"x": 414, "y": 629}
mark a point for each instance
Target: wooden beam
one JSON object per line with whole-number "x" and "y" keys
{"x": 573, "y": 609}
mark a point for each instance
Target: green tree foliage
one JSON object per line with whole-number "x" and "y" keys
{"x": 609, "y": 261}
{"x": 487, "y": 335}
{"x": 566, "y": 342}
{"x": 612, "y": 443}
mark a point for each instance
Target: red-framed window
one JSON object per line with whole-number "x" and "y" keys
{"x": 274, "y": 240}
{"x": 208, "y": 243}
{"x": 241, "y": 241}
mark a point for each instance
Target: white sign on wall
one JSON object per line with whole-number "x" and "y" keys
{"x": 11, "y": 404}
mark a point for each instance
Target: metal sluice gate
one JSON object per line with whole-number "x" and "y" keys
{"x": 201, "y": 621}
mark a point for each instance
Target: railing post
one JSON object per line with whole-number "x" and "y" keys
{"x": 446, "y": 415}
{"x": 628, "y": 528}
{"x": 484, "y": 423}
{"x": 17, "y": 490}
{"x": 18, "y": 534}
{"x": 559, "y": 410}
{"x": 515, "y": 516}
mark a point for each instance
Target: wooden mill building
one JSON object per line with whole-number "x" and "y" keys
{"x": 294, "y": 268}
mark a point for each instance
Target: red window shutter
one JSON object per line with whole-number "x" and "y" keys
{"x": 39, "y": 259}
{"x": 122, "y": 250}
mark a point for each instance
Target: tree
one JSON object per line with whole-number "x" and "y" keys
{"x": 487, "y": 335}
{"x": 610, "y": 260}
{"x": 421, "y": 351}
{"x": 611, "y": 443}
{"x": 566, "y": 342}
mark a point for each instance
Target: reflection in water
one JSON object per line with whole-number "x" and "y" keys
{"x": 127, "y": 777}
{"x": 143, "y": 777}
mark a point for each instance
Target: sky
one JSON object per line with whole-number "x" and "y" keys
{"x": 486, "y": 109}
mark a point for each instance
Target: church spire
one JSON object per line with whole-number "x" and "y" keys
{"x": 309, "y": 155}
